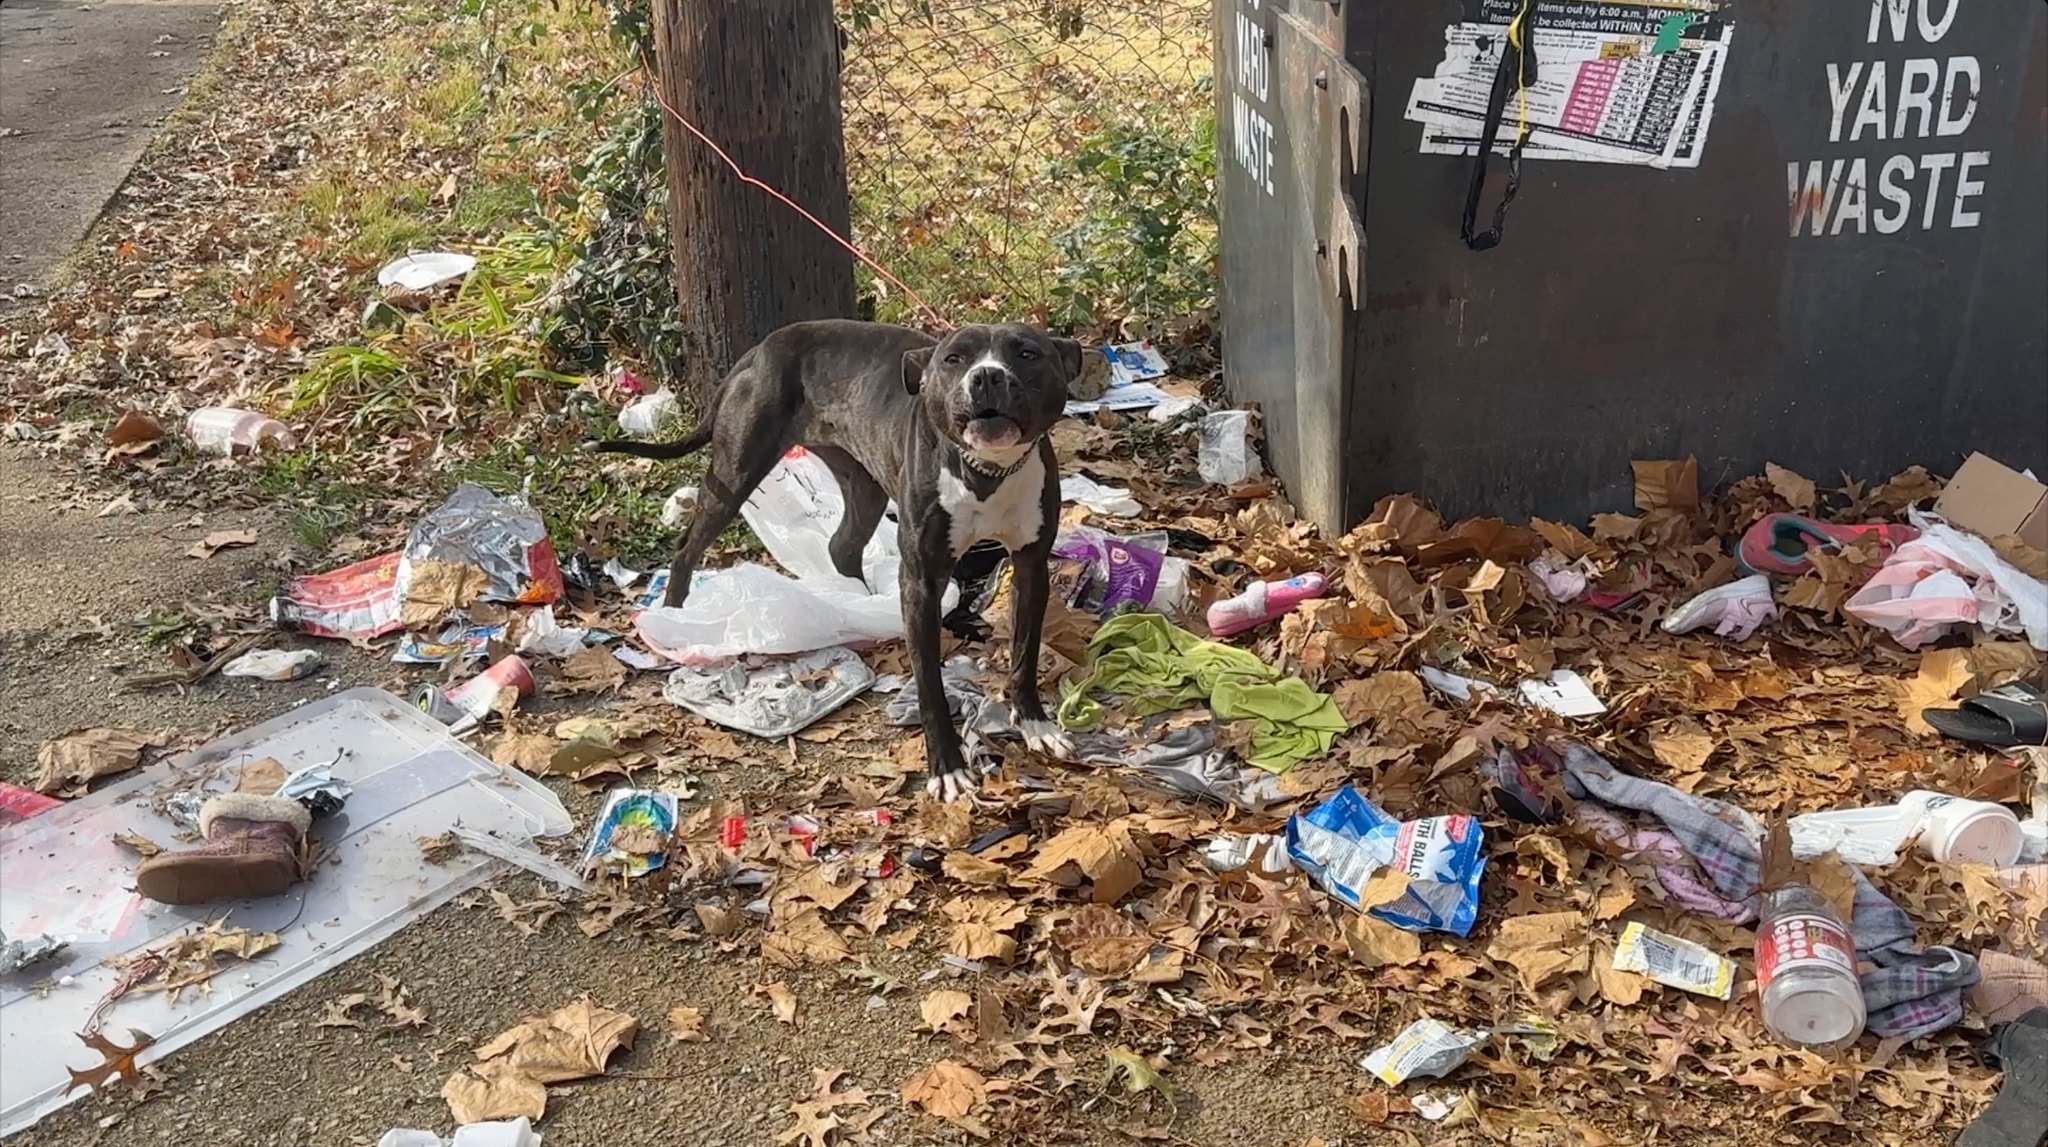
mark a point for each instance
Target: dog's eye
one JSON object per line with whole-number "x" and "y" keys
{"x": 952, "y": 360}
{"x": 1025, "y": 352}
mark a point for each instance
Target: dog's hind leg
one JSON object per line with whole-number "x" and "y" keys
{"x": 736, "y": 468}
{"x": 866, "y": 502}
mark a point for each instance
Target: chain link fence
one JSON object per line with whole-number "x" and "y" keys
{"x": 1048, "y": 160}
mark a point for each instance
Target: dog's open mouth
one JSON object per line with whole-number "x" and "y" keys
{"x": 991, "y": 430}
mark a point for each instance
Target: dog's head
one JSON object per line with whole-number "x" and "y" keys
{"x": 994, "y": 389}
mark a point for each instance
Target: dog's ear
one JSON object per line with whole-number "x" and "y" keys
{"x": 1069, "y": 352}
{"x": 914, "y": 362}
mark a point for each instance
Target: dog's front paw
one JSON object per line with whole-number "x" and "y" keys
{"x": 1043, "y": 736}
{"x": 953, "y": 784}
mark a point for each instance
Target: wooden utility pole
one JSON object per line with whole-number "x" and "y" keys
{"x": 761, "y": 78}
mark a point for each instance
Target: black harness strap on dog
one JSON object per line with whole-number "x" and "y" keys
{"x": 1517, "y": 65}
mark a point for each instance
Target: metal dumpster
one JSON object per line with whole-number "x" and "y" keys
{"x": 1748, "y": 231}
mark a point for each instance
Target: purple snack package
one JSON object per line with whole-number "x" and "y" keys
{"x": 1127, "y": 573}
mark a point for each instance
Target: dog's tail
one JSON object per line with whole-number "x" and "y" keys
{"x": 698, "y": 439}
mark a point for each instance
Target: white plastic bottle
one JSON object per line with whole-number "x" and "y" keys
{"x": 1806, "y": 970}
{"x": 225, "y": 430}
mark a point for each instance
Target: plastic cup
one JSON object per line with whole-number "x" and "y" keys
{"x": 1957, "y": 830}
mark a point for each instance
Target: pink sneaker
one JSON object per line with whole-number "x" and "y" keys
{"x": 1734, "y": 610}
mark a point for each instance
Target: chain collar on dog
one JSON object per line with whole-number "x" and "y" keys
{"x": 997, "y": 473}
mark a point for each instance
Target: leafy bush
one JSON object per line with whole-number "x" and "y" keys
{"x": 1146, "y": 244}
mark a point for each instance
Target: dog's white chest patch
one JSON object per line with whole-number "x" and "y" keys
{"x": 1011, "y": 513}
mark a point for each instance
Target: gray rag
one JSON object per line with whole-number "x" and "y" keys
{"x": 1912, "y": 992}
{"x": 1185, "y": 760}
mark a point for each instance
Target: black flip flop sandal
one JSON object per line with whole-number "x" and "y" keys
{"x": 2009, "y": 715}
{"x": 2018, "y": 1117}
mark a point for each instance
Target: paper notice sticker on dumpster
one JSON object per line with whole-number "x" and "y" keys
{"x": 1615, "y": 83}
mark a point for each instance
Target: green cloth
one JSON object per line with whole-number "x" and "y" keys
{"x": 1155, "y": 666}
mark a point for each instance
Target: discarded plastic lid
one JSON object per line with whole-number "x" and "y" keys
{"x": 424, "y": 269}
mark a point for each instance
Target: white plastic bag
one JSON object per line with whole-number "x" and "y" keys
{"x": 1945, "y": 578}
{"x": 1226, "y": 457}
{"x": 794, "y": 511}
{"x": 752, "y": 609}
{"x": 1111, "y": 501}
{"x": 548, "y": 638}
{"x": 646, "y": 415}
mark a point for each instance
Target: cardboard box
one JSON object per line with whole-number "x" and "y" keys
{"x": 1989, "y": 498}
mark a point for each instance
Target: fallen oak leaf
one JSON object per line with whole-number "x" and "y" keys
{"x": 136, "y": 432}
{"x": 816, "y": 1118}
{"x": 1798, "y": 491}
{"x": 398, "y": 1010}
{"x": 528, "y": 752}
{"x": 1542, "y": 946}
{"x": 592, "y": 670}
{"x": 1106, "y": 854}
{"x": 115, "y": 1061}
{"x": 336, "y": 1013}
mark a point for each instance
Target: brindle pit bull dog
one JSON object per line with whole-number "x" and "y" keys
{"x": 952, "y": 430}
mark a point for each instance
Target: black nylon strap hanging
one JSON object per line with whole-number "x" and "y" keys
{"x": 1517, "y": 66}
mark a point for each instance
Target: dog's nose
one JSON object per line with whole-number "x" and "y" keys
{"x": 990, "y": 383}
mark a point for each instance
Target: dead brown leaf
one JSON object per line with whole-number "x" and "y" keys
{"x": 1374, "y": 943}
{"x": 686, "y": 1024}
{"x": 591, "y": 670}
{"x": 944, "y": 1009}
{"x": 1106, "y": 854}
{"x": 437, "y": 588}
{"x": 494, "y": 1090}
{"x": 1943, "y": 674}
{"x": 68, "y": 764}
{"x": 1668, "y": 485}
{"x": 804, "y": 939}
{"x": 529, "y": 752}
{"x": 1542, "y": 946}
{"x": 1798, "y": 491}
{"x": 947, "y": 1089}
{"x": 219, "y": 540}
{"x": 1685, "y": 748}
{"x": 116, "y": 1061}
{"x": 571, "y": 1042}
{"x": 780, "y": 999}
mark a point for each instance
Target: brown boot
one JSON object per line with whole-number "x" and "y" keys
{"x": 252, "y": 849}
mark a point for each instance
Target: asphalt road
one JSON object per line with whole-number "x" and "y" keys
{"x": 83, "y": 88}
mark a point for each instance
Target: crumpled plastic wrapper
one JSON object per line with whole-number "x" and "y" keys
{"x": 1426, "y": 1048}
{"x": 182, "y": 808}
{"x": 775, "y": 699}
{"x": 18, "y": 954}
{"x": 504, "y": 538}
{"x": 1184, "y": 760}
{"x": 316, "y": 787}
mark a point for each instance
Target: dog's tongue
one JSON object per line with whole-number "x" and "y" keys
{"x": 991, "y": 434}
